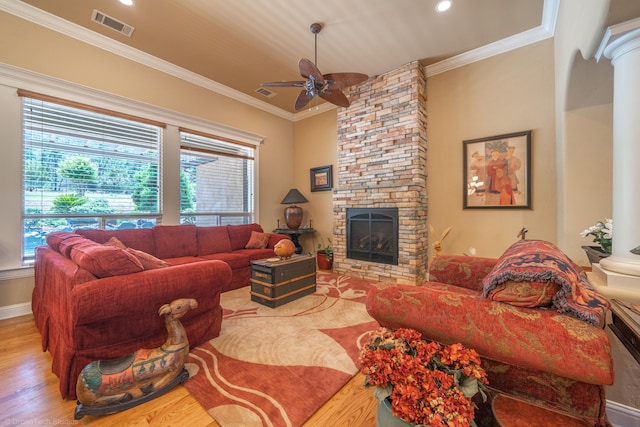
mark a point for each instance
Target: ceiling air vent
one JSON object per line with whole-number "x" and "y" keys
{"x": 265, "y": 92}
{"x": 112, "y": 23}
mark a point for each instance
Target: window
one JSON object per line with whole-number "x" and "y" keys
{"x": 83, "y": 167}
{"x": 216, "y": 180}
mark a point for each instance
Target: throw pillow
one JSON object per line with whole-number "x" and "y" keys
{"x": 149, "y": 262}
{"x": 105, "y": 261}
{"x": 115, "y": 242}
{"x": 525, "y": 294}
{"x": 541, "y": 261}
{"x": 257, "y": 240}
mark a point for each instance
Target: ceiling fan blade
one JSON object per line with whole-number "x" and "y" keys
{"x": 308, "y": 68}
{"x": 335, "y": 96}
{"x": 303, "y": 99}
{"x": 344, "y": 80}
{"x": 289, "y": 83}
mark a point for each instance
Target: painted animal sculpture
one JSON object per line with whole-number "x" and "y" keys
{"x": 110, "y": 382}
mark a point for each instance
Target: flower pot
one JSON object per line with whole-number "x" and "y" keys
{"x": 323, "y": 262}
{"x": 385, "y": 417}
{"x": 595, "y": 253}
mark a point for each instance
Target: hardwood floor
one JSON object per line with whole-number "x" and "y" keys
{"x": 29, "y": 394}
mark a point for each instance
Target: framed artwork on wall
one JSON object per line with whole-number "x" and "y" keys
{"x": 322, "y": 178}
{"x": 497, "y": 172}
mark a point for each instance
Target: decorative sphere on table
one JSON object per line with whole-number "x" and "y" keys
{"x": 284, "y": 248}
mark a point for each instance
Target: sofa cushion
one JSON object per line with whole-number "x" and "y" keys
{"x": 137, "y": 238}
{"x": 66, "y": 245}
{"x": 149, "y": 262}
{"x": 54, "y": 239}
{"x": 235, "y": 260}
{"x": 525, "y": 294}
{"x": 240, "y": 234}
{"x": 257, "y": 240}
{"x": 541, "y": 261}
{"x": 174, "y": 241}
{"x": 213, "y": 240}
{"x": 104, "y": 261}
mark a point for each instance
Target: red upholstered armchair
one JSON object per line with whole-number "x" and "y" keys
{"x": 535, "y": 341}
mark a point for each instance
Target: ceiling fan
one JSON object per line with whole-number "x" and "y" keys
{"x": 326, "y": 86}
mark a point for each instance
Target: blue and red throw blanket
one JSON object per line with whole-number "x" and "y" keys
{"x": 541, "y": 261}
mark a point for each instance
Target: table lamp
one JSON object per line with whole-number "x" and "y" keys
{"x": 293, "y": 213}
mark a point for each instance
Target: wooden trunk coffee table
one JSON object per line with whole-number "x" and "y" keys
{"x": 275, "y": 282}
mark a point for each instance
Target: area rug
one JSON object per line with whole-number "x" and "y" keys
{"x": 275, "y": 367}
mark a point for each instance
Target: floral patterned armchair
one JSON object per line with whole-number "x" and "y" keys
{"x": 531, "y": 315}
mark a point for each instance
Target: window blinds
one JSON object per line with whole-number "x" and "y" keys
{"x": 78, "y": 161}
{"x": 217, "y": 179}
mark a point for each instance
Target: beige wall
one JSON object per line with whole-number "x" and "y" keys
{"x": 589, "y": 158}
{"x": 316, "y": 145}
{"x": 508, "y": 93}
{"x": 34, "y": 48}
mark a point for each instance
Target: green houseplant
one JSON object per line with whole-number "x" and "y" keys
{"x": 324, "y": 255}
{"x": 602, "y": 233}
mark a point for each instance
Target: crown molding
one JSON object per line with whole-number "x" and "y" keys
{"x": 70, "y": 29}
{"x": 617, "y": 36}
{"x": 544, "y": 31}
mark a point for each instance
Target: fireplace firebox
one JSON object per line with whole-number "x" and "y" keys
{"x": 372, "y": 235}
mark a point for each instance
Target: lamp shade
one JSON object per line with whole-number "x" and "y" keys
{"x": 293, "y": 197}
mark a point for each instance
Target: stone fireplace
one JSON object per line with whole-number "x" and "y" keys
{"x": 382, "y": 154}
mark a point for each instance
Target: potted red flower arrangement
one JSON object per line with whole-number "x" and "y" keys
{"x": 426, "y": 383}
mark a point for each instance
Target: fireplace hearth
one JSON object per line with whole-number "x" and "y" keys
{"x": 372, "y": 235}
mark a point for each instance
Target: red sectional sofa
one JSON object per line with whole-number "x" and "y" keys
{"x": 97, "y": 293}
{"x": 531, "y": 315}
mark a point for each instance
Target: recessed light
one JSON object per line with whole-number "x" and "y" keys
{"x": 127, "y": 2}
{"x": 443, "y": 5}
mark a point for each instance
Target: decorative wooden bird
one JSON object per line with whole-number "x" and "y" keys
{"x": 437, "y": 245}
{"x": 522, "y": 233}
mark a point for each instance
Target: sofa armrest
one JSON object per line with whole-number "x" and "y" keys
{"x": 459, "y": 270}
{"x": 534, "y": 338}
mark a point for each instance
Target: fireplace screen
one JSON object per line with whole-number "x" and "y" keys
{"x": 372, "y": 235}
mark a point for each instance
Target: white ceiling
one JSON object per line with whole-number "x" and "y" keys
{"x": 241, "y": 43}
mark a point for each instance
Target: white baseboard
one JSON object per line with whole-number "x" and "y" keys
{"x": 15, "y": 310}
{"x": 622, "y": 415}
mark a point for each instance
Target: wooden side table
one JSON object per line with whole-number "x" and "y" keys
{"x": 295, "y": 235}
{"x": 625, "y": 323}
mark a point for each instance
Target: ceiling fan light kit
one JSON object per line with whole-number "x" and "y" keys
{"x": 325, "y": 86}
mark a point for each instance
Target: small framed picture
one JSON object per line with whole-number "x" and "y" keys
{"x": 497, "y": 172}
{"x": 322, "y": 178}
